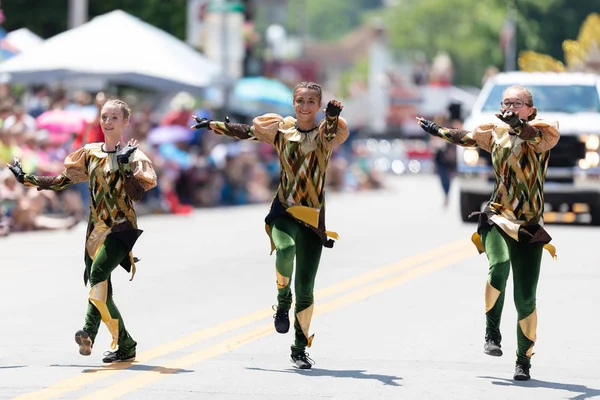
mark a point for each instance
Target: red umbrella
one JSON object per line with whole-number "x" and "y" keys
{"x": 61, "y": 121}
{"x": 62, "y": 125}
{"x": 177, "y": 117}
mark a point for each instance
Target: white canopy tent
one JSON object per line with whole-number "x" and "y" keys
{"x": 23, "y": 39}
{"x": 114, "y": 48}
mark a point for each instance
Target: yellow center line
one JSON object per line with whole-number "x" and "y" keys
{"x": 82, "y": 380}
{"x": 390, "y": 269}
{"x": 147, "y": 377}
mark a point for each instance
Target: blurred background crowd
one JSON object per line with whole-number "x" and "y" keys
{"x": 385, "y": 60}
{"x": 195, "y": 168}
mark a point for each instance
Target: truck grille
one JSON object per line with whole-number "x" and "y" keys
{"x": 567, "y": 152}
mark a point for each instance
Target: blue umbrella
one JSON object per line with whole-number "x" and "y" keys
{"x": 5, "y": 51}
{"x": 172, "y": 153}
{"x": 259, "y": 95}
{"x": 263, "y": 90}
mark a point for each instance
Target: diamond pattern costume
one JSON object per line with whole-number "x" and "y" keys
{"x": 296, "y": 221}
{"x": 510, "y": 228}
{"x": 112, "y": 228}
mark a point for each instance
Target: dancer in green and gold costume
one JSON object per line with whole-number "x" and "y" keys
{"x": 296, "y": 221}
{"x": 117, "y": 176}
{"x": 510, "y": 228}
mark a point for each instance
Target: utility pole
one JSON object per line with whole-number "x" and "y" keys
{"x": 224, "y": 44}
{"x": 78, "y": 13}
{"x": 225, "y": 58}
{"x": 510, "y": 30}
{"x": 302, "y": 11}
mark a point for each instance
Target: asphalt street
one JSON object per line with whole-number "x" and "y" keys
{"x": 399, "y": 310}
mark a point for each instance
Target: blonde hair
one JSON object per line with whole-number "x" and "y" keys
{"x": 122, "y": 105}
{"x": 528, "y": 97}
{"x": 311, "y": 86}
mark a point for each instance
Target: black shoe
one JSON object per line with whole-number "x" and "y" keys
{"x": 118, "y": 356}
{"x": 303, "y": 361}
{"x": 282, "y": 320}
{"x": 84, "y": 341}
{"x": 522, "y": 372}
{"x": 492, "y": 347}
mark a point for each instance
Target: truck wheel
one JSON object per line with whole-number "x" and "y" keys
{"x": 468, "y": 204}
{"x": 595, "y": 214}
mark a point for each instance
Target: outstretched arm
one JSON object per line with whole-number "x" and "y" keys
{"x": 75, "y": 171}
{"x": 459, "y": 137}
{"x": 238, "y": 131}
{"x": 58, "y": 182}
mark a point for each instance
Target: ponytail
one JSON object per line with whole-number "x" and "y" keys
{"x": 533, "y": 114}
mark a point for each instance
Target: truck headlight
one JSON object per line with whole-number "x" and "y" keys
{"x": 591, "y": 160}
{"x": 592, "y": 142}
{"x": 470, "y": 156}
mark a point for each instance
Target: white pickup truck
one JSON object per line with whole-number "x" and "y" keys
{"x": 573, "y": 178}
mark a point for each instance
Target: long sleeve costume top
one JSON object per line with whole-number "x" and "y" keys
{"x": 113, "y": 188}
{"x": 520, "y": 161}
{"x": 303, "y": 158}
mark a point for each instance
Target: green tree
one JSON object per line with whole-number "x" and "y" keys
{"x": 468, "y": 30}
{"x": 326, "y": 20}
{"x": 539, "y": 20}
{"x": 45, "y": 18}
{"x": 50, "y": 17}
{"x": 368, "y": 4}
{"x": 169, "y": 16}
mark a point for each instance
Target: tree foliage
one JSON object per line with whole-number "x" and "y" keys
{"x": 50, "y": 17}
{"x": 45, "y": 18}
{"x": 326, "y": 20}
{"x": 545, "y": 24}
{"x": 468, "y": 30}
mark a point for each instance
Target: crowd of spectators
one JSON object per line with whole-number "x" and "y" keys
{"x": 195, "y": 168}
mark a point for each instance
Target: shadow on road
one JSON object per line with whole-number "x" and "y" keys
{"x": 353, "y": 374}
{"x": 585, "y": 392}
{"x": 90, "y": 369}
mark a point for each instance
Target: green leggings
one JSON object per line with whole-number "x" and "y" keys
{"x": 502, "y": 252}
{"x": 108, "y": 258}
{"x": 295, "y": 240}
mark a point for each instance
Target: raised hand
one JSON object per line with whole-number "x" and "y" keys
{"x": 334, "y": 108}
{"x": 428, "y": 126}
{"x": 17, "y": 170}
{"x": 510, "y": 117}
{"x": 125, "y": 153}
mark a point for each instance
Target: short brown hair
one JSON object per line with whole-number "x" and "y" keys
{"x": 312, "y": 86}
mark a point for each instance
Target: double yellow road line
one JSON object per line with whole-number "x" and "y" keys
{"x": 352, "y": 291}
